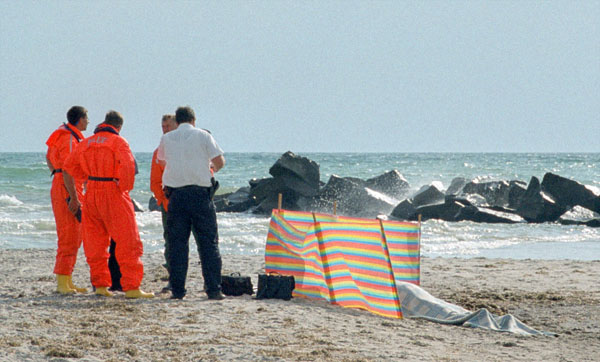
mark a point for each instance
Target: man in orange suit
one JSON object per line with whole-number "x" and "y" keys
{"x": 156, "y": 172}
{"x": 106, "y": 162}
{"x": 68, "y": 229}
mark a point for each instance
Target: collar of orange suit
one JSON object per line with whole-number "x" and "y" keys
{"x": 64, "y": 128}
{"x": 103, "y": 127}
{"x": 74, "y": 131}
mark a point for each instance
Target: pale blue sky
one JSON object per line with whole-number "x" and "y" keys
{"x": 330, "y": 76}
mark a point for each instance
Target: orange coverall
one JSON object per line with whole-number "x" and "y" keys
{"x": 60, "y": 144}
{"x": 156, "y": 173}
{"x": 107, "y": 209}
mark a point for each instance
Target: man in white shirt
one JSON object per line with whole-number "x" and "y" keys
{"x": 189, "y": 154}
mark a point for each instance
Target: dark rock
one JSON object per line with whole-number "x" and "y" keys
{"x": 537, "y": 206}
{"x": 595, "y": 223}
{"x": 391, "y": 183}
{"x": 516, "y": 191}
{"x": 260, "y": 189}
{"x": 474, "y": 199}
{"x": 137, "y": 206}
{"x": 427, "y": 195}
{"x": 352, "y": 198}
{"x": 497, "y": 193}
{"x": 475, "y": 214}
{"x": 569, "y": 193}
{"x": 404, "y": 210}
{"x": 456, "y": 186}
{"x": 444, "y": 211}
{"x": 153, "y": 204}
{"x": 288, "y": 202}
{"x": 578, "y": 215}
{"x": 238, "y": 201}
{"x": 298, "y": 173}
{"x": 465, "y": 201}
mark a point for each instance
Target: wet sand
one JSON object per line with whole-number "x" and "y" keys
{"x": 37, "y": 324}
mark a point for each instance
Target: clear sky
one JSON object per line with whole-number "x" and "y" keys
{"x": 309, "y": 76}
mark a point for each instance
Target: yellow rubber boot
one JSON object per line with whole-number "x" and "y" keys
{"x": 103, "y": 291}
{"x": 137, "y": 293}
{"x": 77, "y": 289}
{"x": 63, "y": 284}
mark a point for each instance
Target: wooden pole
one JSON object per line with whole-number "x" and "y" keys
{"x": 335, "y": 207}
{"x": 419, "y": 219}
{"x": 279, "y": 202}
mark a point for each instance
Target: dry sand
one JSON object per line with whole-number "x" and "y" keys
{"x": 38, "y": 324}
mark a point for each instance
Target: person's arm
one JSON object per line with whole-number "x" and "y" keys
{"x": 126, "y": 172}
{"x": 217, "y": 163}
{"x": 74, "y": 203}
{"x": 160, "y": 153}
{"x": 156, "y": 172}
{"x": 50, "y": 167}
{"x": 71, "y": 170}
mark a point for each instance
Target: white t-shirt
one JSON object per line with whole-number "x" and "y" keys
{"x": 187, "y": 151}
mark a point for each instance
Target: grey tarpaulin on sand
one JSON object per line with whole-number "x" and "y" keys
{"x": 418, "y": 303}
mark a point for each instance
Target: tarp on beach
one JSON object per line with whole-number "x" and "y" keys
{"x": 368, "y": 264}
{"x": 418, "y": 303}
{"x": 351, "y": 262}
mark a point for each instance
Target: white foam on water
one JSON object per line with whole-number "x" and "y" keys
{"x": 8, "y": 200}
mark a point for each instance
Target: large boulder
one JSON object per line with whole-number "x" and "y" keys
{"x": 446, "y": 211}
{"x": 137, "y": 207}
{"x": 487, "y": 215}
{"x": 352, "y": 198}
{"x": 579, "y": 215}
{"x": 391, "y": 183}
{"x": 289, "y": 202}
{"x": 260, "y": 189}
{"x": 404, "y": 210}
{"x": 497, "y": 193}
{"x": 516, "y": 191}
{"x": 456, "y": 186}
{"x": 238, "y": 201}
{"x": 569, "y": 193}
{"x": 428, "y": 194}
{"x": 153, "y": 204}
{"x": 538, "y": 206}
{"x": 297, "y": 173}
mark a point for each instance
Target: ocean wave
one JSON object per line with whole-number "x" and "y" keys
{"x": 8, "y": 200}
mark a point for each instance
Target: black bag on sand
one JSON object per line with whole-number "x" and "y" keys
{"x": 275, "y": 286}
{"x": 236, "y": 285}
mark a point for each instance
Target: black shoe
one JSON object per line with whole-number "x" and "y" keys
{"x": 180, "y": 297}
{"x": 216, "y": 296}
{"x": 167, "y": 288}
{"x": 116, "y": 288}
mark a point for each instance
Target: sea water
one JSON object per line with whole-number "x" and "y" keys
{"x": 26, "y": 219}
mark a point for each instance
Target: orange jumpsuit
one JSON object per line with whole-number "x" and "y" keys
{"x": 107, "y": 209}
{"x": 60, "y": 144}
{"x": 156, "y": 173}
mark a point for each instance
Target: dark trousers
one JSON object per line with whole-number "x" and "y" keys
{"x": 166, "y": 237}
{"x": 113, "y": 267}
{"x": 191, "y": 207}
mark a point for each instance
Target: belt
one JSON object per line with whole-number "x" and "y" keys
{"x": 103, "y": 179}
{"x": 188, "y": 187}
{"x": 56, "y": 170}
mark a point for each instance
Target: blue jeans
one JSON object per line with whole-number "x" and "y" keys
{"x": 190, "y": 208}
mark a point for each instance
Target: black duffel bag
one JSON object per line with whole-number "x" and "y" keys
{"x": 275, "y": 286}
{"x": 236, "y": 285}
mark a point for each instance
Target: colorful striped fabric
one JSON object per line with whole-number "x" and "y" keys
{"x": 347, "y": 261}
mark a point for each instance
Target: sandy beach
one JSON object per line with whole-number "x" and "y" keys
{"x": 38, "y": 324}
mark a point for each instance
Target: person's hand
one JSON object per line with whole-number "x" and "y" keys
{"x": 74, "y": 205}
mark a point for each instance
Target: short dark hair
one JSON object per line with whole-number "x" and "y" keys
{"x": 114, "y": 119}
{"x": 75, "y": 114}
{"x": 184, "y": 115}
